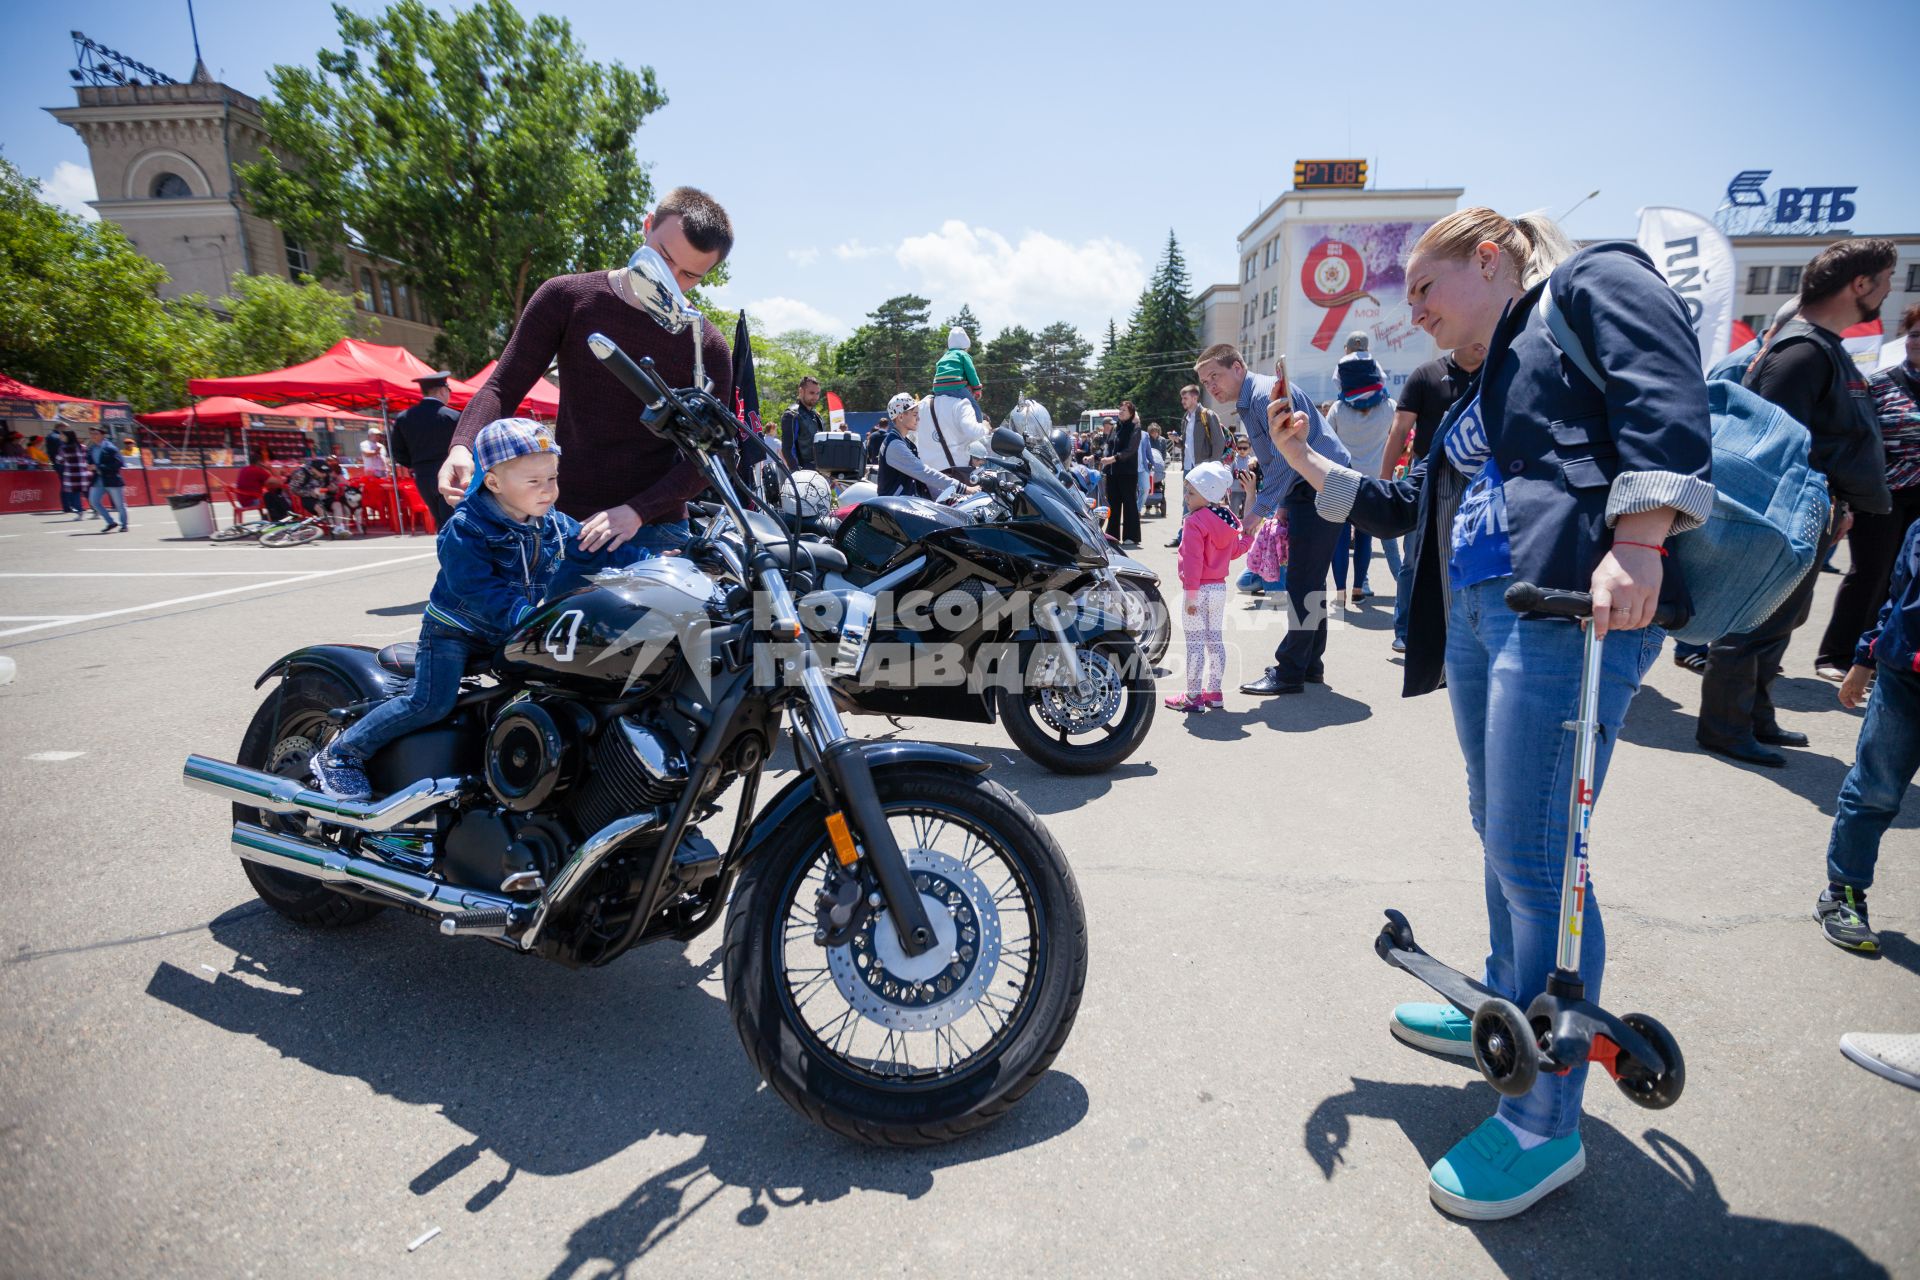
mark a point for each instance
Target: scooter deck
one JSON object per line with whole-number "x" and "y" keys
{"x": 1460, "y": 991}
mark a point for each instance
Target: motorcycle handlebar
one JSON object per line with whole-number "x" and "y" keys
{"x": 638, "y": 378}
{"x": 1525, "y": 597}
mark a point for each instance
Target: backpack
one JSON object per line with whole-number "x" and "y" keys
{"x": 1770, "y": 507}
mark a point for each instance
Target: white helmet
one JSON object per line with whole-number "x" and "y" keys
{"x": 1035, "y": 425}
{"x": 808, "y": 494}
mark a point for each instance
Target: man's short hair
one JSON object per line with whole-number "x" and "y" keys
{"x": 702, "y": 220}
{"x": 1909, "y": 320}
{"x": 806, "y": 379}
{"x": 1191, "y": 389}
{"x": 1224, "y": 353}
{"x": 1839, "y": 265}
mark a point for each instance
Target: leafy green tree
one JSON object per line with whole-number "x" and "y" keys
{"x": 780, "y": 360}
{"x": 1006, "y": 371}
{"x": 963, "y": 319}
{"x": 272, "y": 323}
{"x": 1164, "y": 340}
{"x": 481, "y": 149}
{"x": 892, "y": 352}
{"x": 1058, "y": 377}
{"x": 1113, "y": 377}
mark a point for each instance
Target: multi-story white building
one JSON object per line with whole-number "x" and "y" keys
{"x": 1768, "y": 270}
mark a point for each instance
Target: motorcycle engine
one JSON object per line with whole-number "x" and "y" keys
{"x": 629, "y": 767}
{"x": 533, "y": 750}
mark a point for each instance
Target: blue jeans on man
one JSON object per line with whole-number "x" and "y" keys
{"x": 1359, "y": 546}
{"x": 437, "y": 667}
{"x": 105, "y": 497}
{"x": 1884, "y": 765}
{"x": 1301, "y": 655}
{"x": 1513, "y": 683}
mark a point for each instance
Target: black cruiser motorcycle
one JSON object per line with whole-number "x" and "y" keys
{"x": 977, "y": 611}
{"x": 905, "y": 946}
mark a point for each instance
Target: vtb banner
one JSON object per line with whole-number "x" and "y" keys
{"x": 1347, "y": 276}
{"x": 1697, "y": 260}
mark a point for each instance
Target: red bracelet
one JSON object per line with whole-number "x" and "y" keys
{"x": 1648, "y": 545}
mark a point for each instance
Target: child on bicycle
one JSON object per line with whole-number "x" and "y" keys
{"x": 502, "y": 554}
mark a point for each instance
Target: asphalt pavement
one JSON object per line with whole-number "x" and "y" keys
{"x": 192, "y": 1086}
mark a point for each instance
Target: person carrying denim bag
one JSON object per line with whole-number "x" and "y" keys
{"x": 504, "y": 552}
{"x": 1536, "y": 475}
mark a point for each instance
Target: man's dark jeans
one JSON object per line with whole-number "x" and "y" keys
{"x": 1884, "y": 765}
{"x": 1736, "y": 691}
{"x": 1310, "y": 543}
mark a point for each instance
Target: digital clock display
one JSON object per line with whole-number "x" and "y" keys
{"x": 1329, "y": 173}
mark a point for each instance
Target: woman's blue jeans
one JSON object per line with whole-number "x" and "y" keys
{"x": 1514, "y": 682}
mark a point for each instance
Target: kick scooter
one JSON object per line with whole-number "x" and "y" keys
{"x": 1561, "y": 1029}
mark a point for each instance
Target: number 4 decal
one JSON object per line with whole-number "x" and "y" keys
{"x": 562, "y": 647}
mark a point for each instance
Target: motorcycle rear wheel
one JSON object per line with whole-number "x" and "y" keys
{"x": 1064, "y": 747}
{"x": 857, "y": 1047}
{"x": 287, "y": 729}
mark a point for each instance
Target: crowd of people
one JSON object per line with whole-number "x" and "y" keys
{"x": 91, "y": 471}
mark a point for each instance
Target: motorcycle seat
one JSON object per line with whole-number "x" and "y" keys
{"x": 400, "y": 659}
{"x": 823, "y": 557}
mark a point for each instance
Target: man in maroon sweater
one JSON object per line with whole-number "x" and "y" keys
{"x": 618, "y": 479}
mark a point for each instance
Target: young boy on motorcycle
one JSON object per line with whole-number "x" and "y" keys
{"x": 502, "y": 554}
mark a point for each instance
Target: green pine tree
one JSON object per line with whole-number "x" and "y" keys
{"x": 1164, "y": 339}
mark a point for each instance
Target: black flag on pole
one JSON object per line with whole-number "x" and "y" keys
{"x": 746, "y": 396}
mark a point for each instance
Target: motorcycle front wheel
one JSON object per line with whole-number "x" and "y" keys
{"x": 1087, "y": 727}
{"x": 910, "y": 1051}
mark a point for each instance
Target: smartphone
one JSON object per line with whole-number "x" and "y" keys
{"x": 1280, "y": 387}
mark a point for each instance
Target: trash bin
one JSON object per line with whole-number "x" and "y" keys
{"x": 193, "y": 512}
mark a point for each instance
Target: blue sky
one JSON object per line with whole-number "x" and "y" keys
{"x": 1030, "y": 158}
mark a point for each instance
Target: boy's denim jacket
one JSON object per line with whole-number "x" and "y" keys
{"x": 494, "y": 570}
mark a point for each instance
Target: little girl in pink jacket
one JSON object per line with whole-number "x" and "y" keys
{"x": 1211, "y": 539}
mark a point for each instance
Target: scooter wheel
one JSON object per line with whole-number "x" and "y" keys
{"x": 1503, "y": 1048}
{"x": 1654, "y": 1090}
{"x": 1398, "y": 931}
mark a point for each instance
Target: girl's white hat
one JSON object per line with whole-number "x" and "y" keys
{"x": 1211, "y": 480}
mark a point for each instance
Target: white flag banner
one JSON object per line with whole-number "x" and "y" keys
{"x": 1697, "y": 260}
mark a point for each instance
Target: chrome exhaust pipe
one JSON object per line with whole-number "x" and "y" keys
{"x": 282, "y": 852}
{"x": 276, "y": 794}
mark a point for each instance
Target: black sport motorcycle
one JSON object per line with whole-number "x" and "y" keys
{"x": 905, "y": 946}
{"x": 978, "y": 611}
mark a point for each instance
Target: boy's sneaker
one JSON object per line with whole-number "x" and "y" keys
{"x": 1487, "y": 1176}
{"x": 1437, "y": 1028}
{"x": 1842, "y": 913}
{"x": 339, "y": 777}
{"x": 1895, "y": 1057}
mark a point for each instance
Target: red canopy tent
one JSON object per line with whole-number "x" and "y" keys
{"x": 542, "y": 402}
{"x": 19, "y": 400}
{"x": 215, "y": 411}
{"x": 352, "y": 374}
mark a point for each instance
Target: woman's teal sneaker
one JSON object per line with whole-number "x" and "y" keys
{"x": 1437, "y": 1028}
{"x": 1487, "y": 1176}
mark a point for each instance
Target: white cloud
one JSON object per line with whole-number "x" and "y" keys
{"x": 1034, "y": 281}
{"x": 778, "y": 315}
{"x": 803, "y": 257}
{"x": 853, "y": 249}
{"x": 71, "y": 187}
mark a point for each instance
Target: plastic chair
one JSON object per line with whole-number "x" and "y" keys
{"x": 248, "y": 491}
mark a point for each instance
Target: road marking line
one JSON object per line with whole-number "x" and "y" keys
{"x": 55, "y": 757}
{"x": 228, "y": 591}
{"x": 40, "y": 617}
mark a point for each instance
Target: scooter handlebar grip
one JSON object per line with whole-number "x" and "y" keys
{"x": 1525, "y": 597}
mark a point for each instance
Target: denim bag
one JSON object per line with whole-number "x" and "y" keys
{"x": 1770, "y": 508}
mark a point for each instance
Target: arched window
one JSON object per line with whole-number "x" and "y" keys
{"x": 171, "y": 186}
{"x": 366, "y": 289}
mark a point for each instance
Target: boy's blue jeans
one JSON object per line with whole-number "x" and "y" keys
{"x": 1513, "y": 682}
{"x": 441, "y": 662}
{"x": 1884, "y": 765}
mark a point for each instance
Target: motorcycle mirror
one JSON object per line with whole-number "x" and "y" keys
{"x": 656, "y": 291}
{"x": 1008, "y": 443}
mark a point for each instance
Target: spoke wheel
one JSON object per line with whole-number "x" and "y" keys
{"x": 911, "y": 1050}
{"x": 292, "y": 536}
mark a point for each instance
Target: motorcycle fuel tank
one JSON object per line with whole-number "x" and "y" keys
{"x": 628, "y": 633}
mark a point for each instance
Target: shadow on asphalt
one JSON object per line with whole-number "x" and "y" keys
{"x": 399, "y": 610}
{"x": 1897, "y": 948}
{"x": 1628, "y": 1213}
{"x": 554, "y": 1071}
